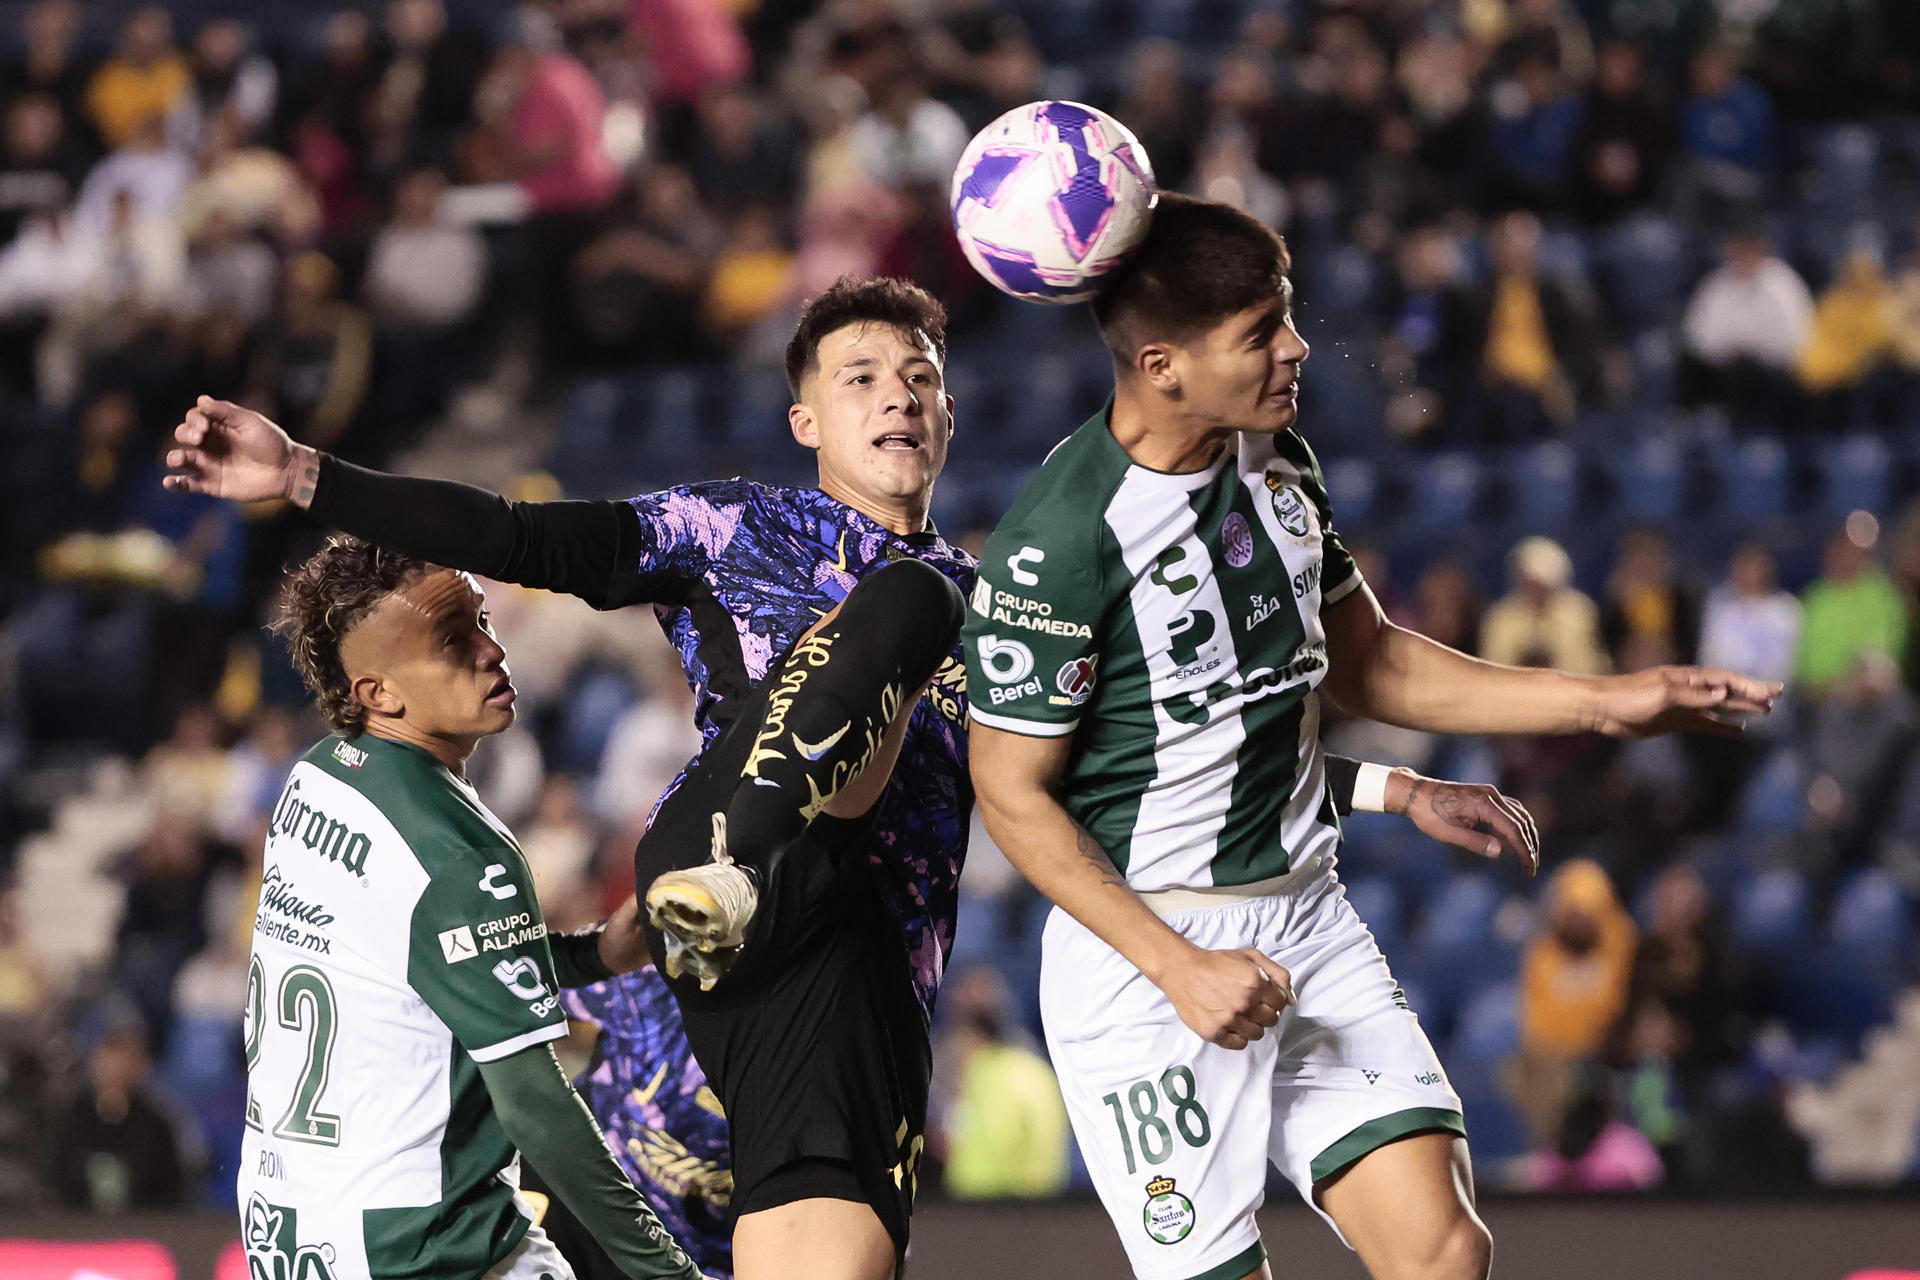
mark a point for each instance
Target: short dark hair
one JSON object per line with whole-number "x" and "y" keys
{"x": 900, "y": 304}
{"x": 325, "y": 599}
{"x": 1201, "y": 262}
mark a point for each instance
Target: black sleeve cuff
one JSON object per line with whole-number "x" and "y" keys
{"x": 576, "y": 957}
{"x": 1342, "y": 773}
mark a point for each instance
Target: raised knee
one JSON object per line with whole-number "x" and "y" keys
{"x": 911, "y": 602}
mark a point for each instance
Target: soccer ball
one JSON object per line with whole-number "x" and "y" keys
{"x": 1050, "y": 198}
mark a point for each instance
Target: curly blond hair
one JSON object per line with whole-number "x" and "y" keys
{"x": 327, "y": 597}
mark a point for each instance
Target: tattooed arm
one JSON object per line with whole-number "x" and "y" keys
{"x": 1228, "y": 997}
{"x": 1467, "y": 815}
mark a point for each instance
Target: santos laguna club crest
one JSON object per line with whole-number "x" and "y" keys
{"x": 1287, "y": 506}
{"x": 1168, "y": 1215}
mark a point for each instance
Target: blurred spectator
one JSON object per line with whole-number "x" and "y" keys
{"x": 144, "y": 80}
{"x": 1860, "y": 733}
{"x": 924, "y": 249}
{"x": 39, "y": 167}
{"x": 541, "y": 115}
{"x": 313, "y": 362}
{"x": 1227, "y": 170}
{"x": 907, "y": 136}
{"x": 191, "y": 772}
{"x": 1746, "y": 324}
{"x": 422, "y": 271}
{"x": 1685, "y": 965}
{"x": 254, "y": 186}
{"x": 1004, "y": 1133}
{"x": 1852, "y": 609}
{"x": 164, "y": 923}
{"x": 1749, "y": 623}
{"x": 23, "y": 980}
{"x": 1447, "y": 607}
{"x": 51, "y": 63}
{"x": 1647, "y": 604}
{"x": 119, "y": 1145}
{"x": 433, "y": 71}
{"x": 636, "y": 287}
{"x": 1160, "y": 110}
{"x": 1851, "y": 333}
{"x": 649, "y": 746}
{"x": 227, "y": 79}
{"x": 1727, "y": 131}
{"x": 753, "y": 276}
{"x": 1536, "y": 126}
{"x": 559, "y": 845}
{"x": 144, "y": 169}
{"x": 1544, "y": 621}
{"x": 1627, "y": 139}
{"x": 695, "y": 45}
{"x": 1595, "y": 1150}
{"x": 740, "y": 158}
{"x": 230, "y": 274}
{"x": 1428, "y": 358}
{"x": 1538, "y": 355}
{"x": 1904, "y": 315}
{"x": 1574, "y": 979}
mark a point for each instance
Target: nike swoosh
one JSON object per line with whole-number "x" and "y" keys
{"x": 814, "y": 750}
{"x": 641, "y": 1097}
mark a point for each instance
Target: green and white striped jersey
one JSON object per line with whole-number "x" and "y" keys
{"x": 398, "y": 943}
{"x": 1171, "y": 623}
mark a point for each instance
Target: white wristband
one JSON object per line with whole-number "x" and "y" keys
{"x": 1370, "y": 788}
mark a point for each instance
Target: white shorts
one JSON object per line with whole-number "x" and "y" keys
{"x": 1177, "y": 1132}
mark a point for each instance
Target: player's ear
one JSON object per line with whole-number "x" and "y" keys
{"x": 950, "y": 418}
{"x": 375, "y": 694}
{"x": 1154, "y": 362}
{"x": 806, "y": 427}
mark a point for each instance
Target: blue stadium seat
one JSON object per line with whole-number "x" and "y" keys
{"x": 671, "y": 403}
{"x": 757, "y": 412}
{"x": 1047, "y": 404}
{"x": 1856, "y": 474}
{"x": 1352, "y": 484}
{"x": 1543, "y": 487}
{"x": 1846, "y": 158}
{"x": 1377, "y": 903}
{"x": 1828, "y": 990}
{"x": 1771, "y": 911}
{"x": 1495, "y": 1130}
{"x": 1645, "y": 267}
{"x": 1340, "y": 283}
{"x": 1462, "y": 914}
{"x": 1443, "y": 491}
{"x": 1654, "y": 355}
{"x": 1772, "y": 801}
{"x": 1872, "y": 911}
{"x": 1489, "y": 1024}
{"x": 1754, "y": 478}
{"x": 1565, "y": 252}
{"x": 594, "y": 702}
{"x": 1650, "y": 481}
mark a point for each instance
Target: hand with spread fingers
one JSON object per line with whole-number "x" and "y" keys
{"x": 229, "y": 451}
{"x": 1661, "y": 700}
{"x": 1466, "y": 815}
{"x": 1229, "y": 997}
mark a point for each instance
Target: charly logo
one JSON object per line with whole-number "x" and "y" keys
{"x": 1168, "y": 1215}
{"x": 273, "y": 1251}
{"x": 1236, "y": 540}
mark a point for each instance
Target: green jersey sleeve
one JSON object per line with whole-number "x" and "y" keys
{"x": 478, "y": 955}
{"x": 1339, "y": 575}
{"x": 1032, "y": 631}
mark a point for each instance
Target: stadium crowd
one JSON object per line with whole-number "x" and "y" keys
{"x": 1616, "y": 322}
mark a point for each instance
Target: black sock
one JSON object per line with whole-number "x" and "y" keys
{"x": 830, "y": 703}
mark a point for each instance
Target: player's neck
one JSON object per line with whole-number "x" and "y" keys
{"x": 451, "y": 752}
{"x": 905, "y": 517}
{"x": 1155, "y": 436}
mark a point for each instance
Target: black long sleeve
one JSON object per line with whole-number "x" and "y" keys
{"x": 584, "y": 549}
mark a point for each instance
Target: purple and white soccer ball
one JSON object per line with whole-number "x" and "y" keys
{"x": 1050, "y": 198}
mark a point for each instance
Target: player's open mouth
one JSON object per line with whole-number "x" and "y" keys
{"x": 503, "y": 694}
{"x": 897, "y": 442}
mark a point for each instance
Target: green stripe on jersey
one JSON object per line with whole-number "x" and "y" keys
{"x": 1190, "y": 604}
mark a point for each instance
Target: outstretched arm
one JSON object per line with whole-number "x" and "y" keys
{"x": 579, "y": 548}
{"x": 546, "y": 1119}
{"x": 1227, "y": 997}
{"x": 1388, "y": 673}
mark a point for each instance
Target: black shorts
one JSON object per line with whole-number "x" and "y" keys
{"x": 815, "y": 1043}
